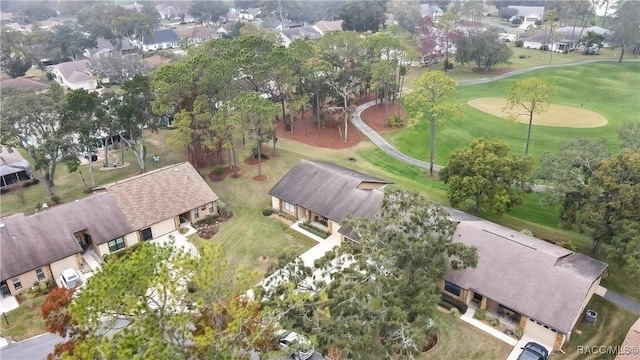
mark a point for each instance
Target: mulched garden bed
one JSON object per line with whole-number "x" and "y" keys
{"x": 206, "y": 228}
{"x": 226, "y": 171}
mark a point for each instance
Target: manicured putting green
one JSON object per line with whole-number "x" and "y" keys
{"x": 556, "y": 115}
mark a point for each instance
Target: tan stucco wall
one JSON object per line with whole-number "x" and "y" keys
{"x": 585, "y": 301}
{"x": 28, "y": 279}
{"x": 333, "y": 227}
{"x": 275, "y": 203}
{"x": 202, "y": 213}
{"x": 68, "y": 262}
{"x": 129, "y": 240}
{"x": 163, "y": 227}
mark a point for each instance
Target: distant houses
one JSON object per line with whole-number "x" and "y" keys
{"x": 74, "y": 75}
{"x": 160, "y": 39}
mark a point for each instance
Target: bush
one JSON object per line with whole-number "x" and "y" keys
{"x": 518, "y": 43}
{"x": 49, "y": 76}
{"x": 455, "y": 312}
{"x": 267, "y": 212}
{"x": 569, "y": 245}
{"x": 518, "y": 332}
{"x": 55, "y": 199}
{"x": 516, "y": 21}
{"x": 208, "y": 220}
{"x": 479, "y": 314}
{"x": 314, "y": 230}
{"x": 395, "y": 121}
{"x": 494, "y": 322}
{"x": 287, "y": 216}
{"x": 218, "y": 170}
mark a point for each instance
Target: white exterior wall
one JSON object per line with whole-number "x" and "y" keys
{"x": 540, "y": 333}
{"x": 68, "y": 262}
{"x": 275, "y": 203}
{"x": 334, "y": 227}
{"x": 86, "y": 85}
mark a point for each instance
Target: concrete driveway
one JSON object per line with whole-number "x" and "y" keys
{"x": 517, "y": 350}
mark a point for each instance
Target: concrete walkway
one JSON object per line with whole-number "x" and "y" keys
{"x": 468, "y": 318}
{"x": 8, "y": 303}
{"x": 318, "y": 251}
{"x": 621, "y": 301}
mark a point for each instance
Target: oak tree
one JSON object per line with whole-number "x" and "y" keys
{"x": 487, "y": 173}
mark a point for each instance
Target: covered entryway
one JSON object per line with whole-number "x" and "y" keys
{"x": 541, "y": 333}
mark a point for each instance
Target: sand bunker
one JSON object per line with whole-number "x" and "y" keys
{"x": 556, "y": 115}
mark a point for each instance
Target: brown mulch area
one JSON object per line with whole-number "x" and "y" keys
{"x": 494, "y": 72}
{"x": 307, "y": 132}
{"x": 226, "y": 172}
{"x": 252, "y": 161}
{"x": 206, "y": 229}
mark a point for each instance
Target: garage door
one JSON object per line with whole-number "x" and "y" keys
{"x": 541, "y": 333}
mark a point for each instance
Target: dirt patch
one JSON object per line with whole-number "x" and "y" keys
{"x": 556, "y": 115}
{"x": 494, "y": 72}
{"x": 331, "y": 135}
{"x": 254, "y": 161}
{"x": 227, "y": 171}
{"x": 260, "y": 178}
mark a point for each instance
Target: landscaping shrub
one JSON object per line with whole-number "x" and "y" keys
{"x": 445, "y": 305}
{"x": 314, "y": 230}
{"x": 569, "y": 245}
{"x": 49, "y": 76}
{"x": 461, "y": 306}
{"x": 516, "y": 21}
{"x": 518, "y": 332}
{"x": 208, "y": 220}
{"x": 494, "y": 322}
{"x": 395, "y": 121}
{"x": 267, "y": 212}
{"x": 55, "y": 199}
{"x": 287, "y": 216}
{"x": 218, "y": 170}
{"x": 518, "y": 43}
{"x": 479, "y": 314}
{"x": 455, "y": 312}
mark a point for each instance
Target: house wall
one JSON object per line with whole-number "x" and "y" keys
{"x": 275, "y": 203}
{"x": 68, "y": 262}
{"x": 531, "y": 44}
{"x": 86, "y": 85}
{"x": 210, "y": 209}
{"x": 129, "y": 240}
{"x": 539, "y": 332}
{"x": 28, "y": 279}
{"x": 586, "y": 300}
{"x": 333, "y": 227}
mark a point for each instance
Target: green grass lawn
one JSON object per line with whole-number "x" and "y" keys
{"x": 24, "y": 322}
{"x": 459, "y": 340}
{"x": 583, "y": 86}
{"x": 610, "y": 330}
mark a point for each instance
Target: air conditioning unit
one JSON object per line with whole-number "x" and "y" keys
{"x": 591, "y": 317}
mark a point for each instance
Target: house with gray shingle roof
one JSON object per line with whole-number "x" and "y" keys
{"x": 304, "y": 33}
{"x": 527, "y": 282}
{"x": 75, "y": 75}
{"x": 145, "y": 207}
{"x": 323, "y": 194}
{"x": 160, "y": 39}
{"x": 25, "y": 83}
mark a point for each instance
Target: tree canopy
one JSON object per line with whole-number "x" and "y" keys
{"x": 487, "y": 173}
{"x": 376, "y": 295}
{"x": 484, "y": 48}
{"x": 361, "y": 16}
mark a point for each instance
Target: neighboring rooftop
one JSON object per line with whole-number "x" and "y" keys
{"x": 7, "y": 159}
{"x": 330, "y": 190}
{"x": 528, "y": 10}
{"x": 328, "y": 26}
{"x": 144, "y": 198}
{"x": 76, "y": 70}
{"x": 161, "y": 36}
{"x": 106, "y": 45}
{"x": 197, "y": 32}
{"x": 304, "y": 32}
{"x": 538, "y": 279}
{"x": 631, "y": 343}
{"x": 24, "y": 83}
{"x": 52, "y": 232}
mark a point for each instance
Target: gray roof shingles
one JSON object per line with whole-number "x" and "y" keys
{"x": 30, "y": 242}
{"x": 538, "y": 279}
{"x": 161, "y": 194}
{"x": 161, "y": 36}
{"x": 329, "y": 190}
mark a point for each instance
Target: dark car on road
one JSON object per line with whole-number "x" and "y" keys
{"x": 534, "y": 351}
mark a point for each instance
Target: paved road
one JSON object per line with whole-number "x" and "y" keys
{"x": 622, "y": 301}
{"x": 35, "y": 348}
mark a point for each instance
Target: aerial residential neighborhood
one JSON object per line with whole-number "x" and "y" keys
{"x": 343, "y": 179}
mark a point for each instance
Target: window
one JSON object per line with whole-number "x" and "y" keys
{"x": 289, "y": 207}
{"x": 146, "y": 234}
{"x": 40, "y": 274}
{"x": 452, "y": 288}
{"x": 17, "y": 284}
{"x": 196, "y": 214}
{"x": 115, "y": 245}
{"x": 211, "y": 208}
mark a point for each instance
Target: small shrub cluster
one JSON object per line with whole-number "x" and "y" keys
{"x": 494, "y": 322}
{"x": 447, "y": 302}
{"x": 455, "y": 312}
{"x": 121, "y": 253}
{"x": 518, "y": 43}
{"x": 218, "y": 170}
{"x": 516, "y": 21}
{"x": 55, "y": 199}
{"x": 314, "y": 230}
{"x": 395, "y": 121}
{"x": 479, "y": 314}
{"x": 523, "y": 56}
{"x": 267, "y": 212}
{"x": 208, "y": 220}
{"x": 569, "y": 245}
{"x": 286, "y": 215}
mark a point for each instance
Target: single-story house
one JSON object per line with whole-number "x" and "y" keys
{"x": 249, "y": 14}
{"x": 48, "y": 24}
{"x": 106, "y": 47}
{"x": 432, "y": 11}
{"x": 198, "y": 34}
{"x": 38, "y": 247}
{"x": 529, "y": 14}
{"x": 541, "y": 287}
{"x": 25, "y": 83}
{"x": 595, "y": 29}
{"x": 14, "y": 169}
{"x": 561, "y": 41}
{"x": 160, "y": 39}
{"x": 75, "y": 75}
{"x": 305, "y": 33}
{"x": 631, "y": 345}
{"x": 324, "y": 27}
{"x": 323, "y": 194}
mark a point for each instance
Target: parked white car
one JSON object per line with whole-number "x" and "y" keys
{"x": 294, "y": 345}
{"x": 71, "y": 279}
